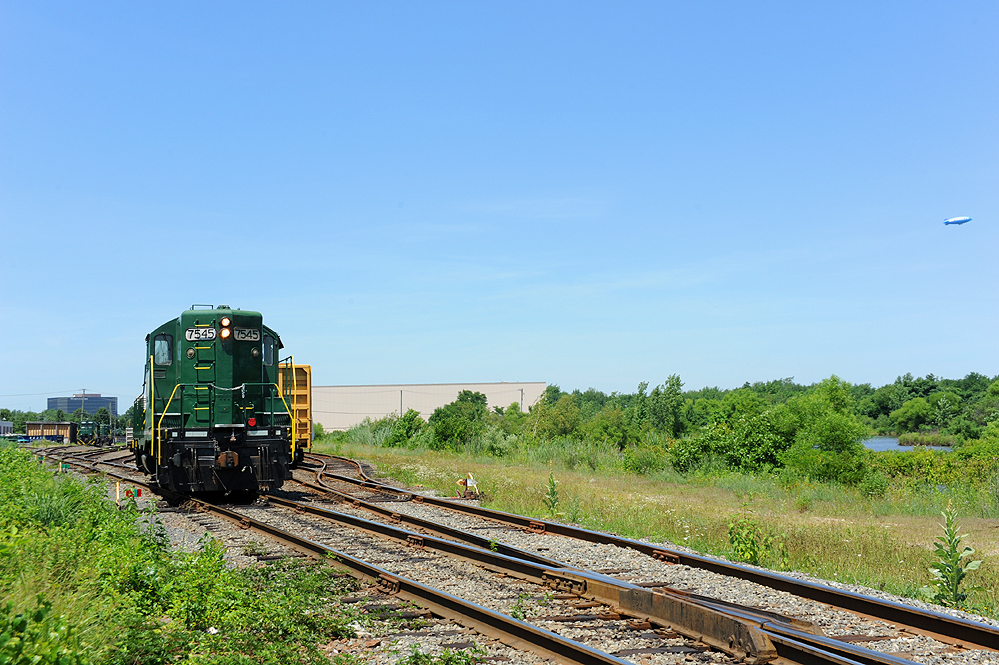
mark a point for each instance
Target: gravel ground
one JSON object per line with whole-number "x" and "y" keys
{"x": 383, "y": 642}
{"x": 386, "y": 644}
{"x": 498, "y": 592}
{"x": 636, "y": 567}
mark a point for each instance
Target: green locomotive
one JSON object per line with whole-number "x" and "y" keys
{"x": 94, "y": 434}
{"x": 212, "y": 417}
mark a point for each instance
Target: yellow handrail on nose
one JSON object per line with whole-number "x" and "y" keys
{"x": 159, "y": 426}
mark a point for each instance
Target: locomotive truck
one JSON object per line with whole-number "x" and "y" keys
{"x": 212, "y": 417}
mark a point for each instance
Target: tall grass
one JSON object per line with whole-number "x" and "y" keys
{"x": 881, "y": 540}
{"x": 126, "y": 598}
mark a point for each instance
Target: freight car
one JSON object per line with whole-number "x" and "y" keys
{"x": 212, "y": 417}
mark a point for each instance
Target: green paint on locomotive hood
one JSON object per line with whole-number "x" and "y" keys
{"x": 222, "y": 381}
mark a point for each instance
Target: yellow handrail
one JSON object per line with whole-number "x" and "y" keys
{"x": 293, "y": 430}
{"x": 159, "y": 426}
{"x": 152, "y": 403}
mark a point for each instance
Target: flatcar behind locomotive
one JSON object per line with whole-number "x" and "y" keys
{"x": 212, "y": 416}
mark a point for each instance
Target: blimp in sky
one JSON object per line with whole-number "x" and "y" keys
{"x": 957, "y": 220}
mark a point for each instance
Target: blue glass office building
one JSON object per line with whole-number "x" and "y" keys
{"x": 89, "y": 402}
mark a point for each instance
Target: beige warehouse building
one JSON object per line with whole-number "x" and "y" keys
{"x": 342, "y": 407}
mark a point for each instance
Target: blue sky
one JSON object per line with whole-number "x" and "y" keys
{"x": 588, "y": 194}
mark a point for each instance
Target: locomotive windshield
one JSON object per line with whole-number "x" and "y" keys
{"x": 268, "y": 350}
{"x": 163, "y": 349}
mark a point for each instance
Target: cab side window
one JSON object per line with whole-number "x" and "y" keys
{"x": 268, "y": 350}
{"x": 163, "y": 349}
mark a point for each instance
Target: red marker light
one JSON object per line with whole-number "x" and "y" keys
{"x": 252, "y": 422}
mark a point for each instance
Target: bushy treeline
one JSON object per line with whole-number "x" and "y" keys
{"x": 812, "y": 431}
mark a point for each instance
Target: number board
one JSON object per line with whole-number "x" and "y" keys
{"x": 199, "y": 334}
{"x": 246, "y": 334}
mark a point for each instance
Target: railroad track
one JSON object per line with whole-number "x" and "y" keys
{"x": 658, "y": 622}
{"x": 900, "y": 621}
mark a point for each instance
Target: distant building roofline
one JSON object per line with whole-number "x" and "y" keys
{"x": 455, "y": 383}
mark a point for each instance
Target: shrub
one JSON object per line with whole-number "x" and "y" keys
{"x": 610, "y": 424}
{"x": 874, "y": 485}
{"x": 645, "y": 458}
{"x": 404, "y": 429}
{"x": 753, "y": 545}
{"x": 691, "y": 451}
{"x": 38, "y": 638}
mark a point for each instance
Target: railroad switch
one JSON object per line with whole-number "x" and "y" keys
{"x": 560, "y": 582}
{"x": 388, "y": 584}
{"x": 670, "y": 558}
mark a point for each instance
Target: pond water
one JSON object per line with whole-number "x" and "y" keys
{"x": 881, "y": 443}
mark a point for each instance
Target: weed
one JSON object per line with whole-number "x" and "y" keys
{"x": 254, "y": 548}
{"x": 874, "y": 485}
{"x": 575, "y": 514}
{"x": 744, "y": 534}
{"x": 752, "y": 545}
{"x": 519, "y": 609}
{"x": 493, "y": 545}
{"x": 945, "y": 587}
{"x": 551, "y": 498}
{"x": 446, "y": 657}
{"x": 803, "y": 503}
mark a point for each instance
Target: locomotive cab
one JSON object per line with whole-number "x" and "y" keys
{"x": 215, "y": 419}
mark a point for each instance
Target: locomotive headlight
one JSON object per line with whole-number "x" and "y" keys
{"x": 225, "y": 332}
{"x": 225, "y": 321}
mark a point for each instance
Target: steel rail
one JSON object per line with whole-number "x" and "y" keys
{"x": 753, "y": 636}
{"x": 433, "y": 527}
{"x": 937, "y": 625}
{"x": 508, "y": 630}
{"x": 769, "y": 622}
{"x": 668, "y": 607}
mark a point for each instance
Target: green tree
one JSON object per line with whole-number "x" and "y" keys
{"x": 888, "y": 398}
{"x": 664, "y": 406}
{"x": 53, "y": 416}
{"x": 945, "y": 405}
{"x": 755, "y": 444}
{"x": 456, "y": 423}
{"x": 102, "y": 416}
{"x": 610, "y": 424}
{"x": 912, "y": 414}
{"x": 405, "y": 428}
{"x": 827, "y": 434}
{"x": 559, "y": 419}
{"x": 510, "y": 420}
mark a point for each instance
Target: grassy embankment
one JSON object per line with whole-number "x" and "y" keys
{"x": 111, "y": 591}
{"x": 829, "y": 531}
